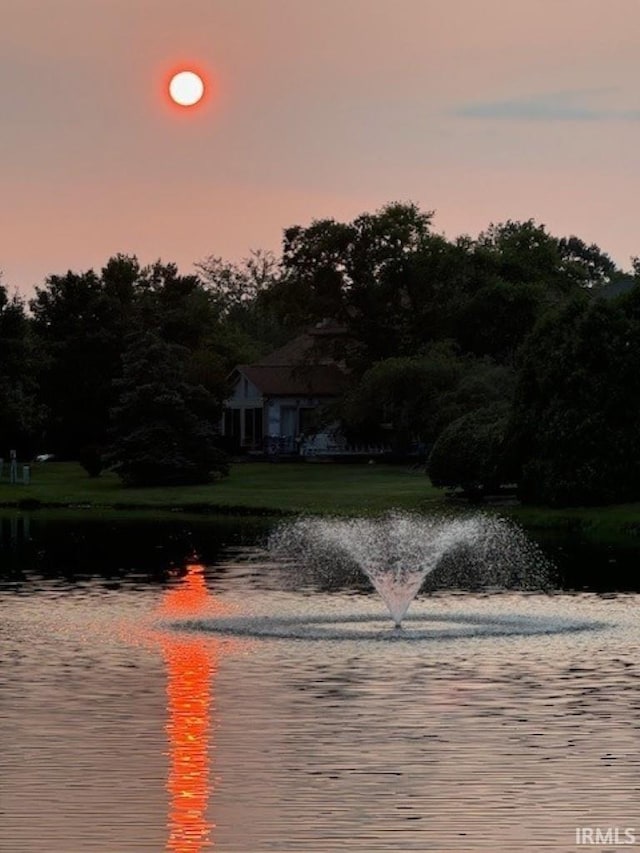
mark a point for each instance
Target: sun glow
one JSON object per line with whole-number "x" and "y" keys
{"x": 186, "y": 88}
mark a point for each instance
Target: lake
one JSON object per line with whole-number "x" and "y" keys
{"x": 500, "y": 721}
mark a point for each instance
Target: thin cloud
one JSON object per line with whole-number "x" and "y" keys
{"x": 564, "y": 106}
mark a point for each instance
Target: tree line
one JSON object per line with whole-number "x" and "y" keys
{"x": 513, "y": 357}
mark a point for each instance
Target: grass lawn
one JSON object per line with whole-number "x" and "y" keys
{"x": 288, "y": 487}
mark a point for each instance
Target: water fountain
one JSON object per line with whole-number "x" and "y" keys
{"x": 400, "y": 554}
{"x": 398, "y": 551}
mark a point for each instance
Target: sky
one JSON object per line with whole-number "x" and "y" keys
{"x": 480, "y": 110}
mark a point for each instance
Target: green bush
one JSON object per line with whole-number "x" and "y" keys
{"x": 469, "y": 453}
{"x": 90, "y": 457}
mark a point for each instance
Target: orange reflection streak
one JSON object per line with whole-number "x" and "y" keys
{"x": 191, "y": 664}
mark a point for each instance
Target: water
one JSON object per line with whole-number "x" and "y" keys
{"x": 124, "y": 729}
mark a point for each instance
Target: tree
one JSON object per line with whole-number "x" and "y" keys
{"x": 577, "y": 406}
{"x": 163, "y": 426}
{"x": 588, "y": 264}
{"x": 178, "y": 305}
{"x": 120, "y": 278}
{"x": 80, "y": 320}
{"x": 397, "y": 399}
{"x": 406, "y": 400}
{"x": 397, "y": 287}
{"x": 358, "y": 274}
{"x": 21, "y": 415}
{"x": 522, "y": 252}
{"x": 183, "y": 310}
{"x": 520, "y": 271}
{"x": 245, "y": 295}
{"x": 497, "y": 318}
{"x": 233, "y": 285}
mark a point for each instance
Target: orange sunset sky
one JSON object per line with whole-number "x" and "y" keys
{"x": 481, "y": 110}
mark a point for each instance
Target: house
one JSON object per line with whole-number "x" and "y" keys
{"x": 275, "y": 401}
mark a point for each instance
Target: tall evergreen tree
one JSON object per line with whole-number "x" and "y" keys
{"x": 164, "y": 428}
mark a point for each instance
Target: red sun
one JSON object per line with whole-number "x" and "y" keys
{"x": 186, "y": 88}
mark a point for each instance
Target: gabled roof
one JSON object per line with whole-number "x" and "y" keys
{"x": 314, "y": 380}
{"x": 304, "y": 366}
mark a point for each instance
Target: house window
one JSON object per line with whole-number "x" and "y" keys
{"x": 253, "y": 427}
{"x": 232, "y": 422}
{"x": 246, "y": 387}
{"x": 288, "y": 421}
{"x": 307, "y": 420}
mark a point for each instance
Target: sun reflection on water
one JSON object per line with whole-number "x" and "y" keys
{"x": 191, "y": 665}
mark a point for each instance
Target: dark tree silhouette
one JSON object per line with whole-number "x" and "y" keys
{"x": 163, "y": 426}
